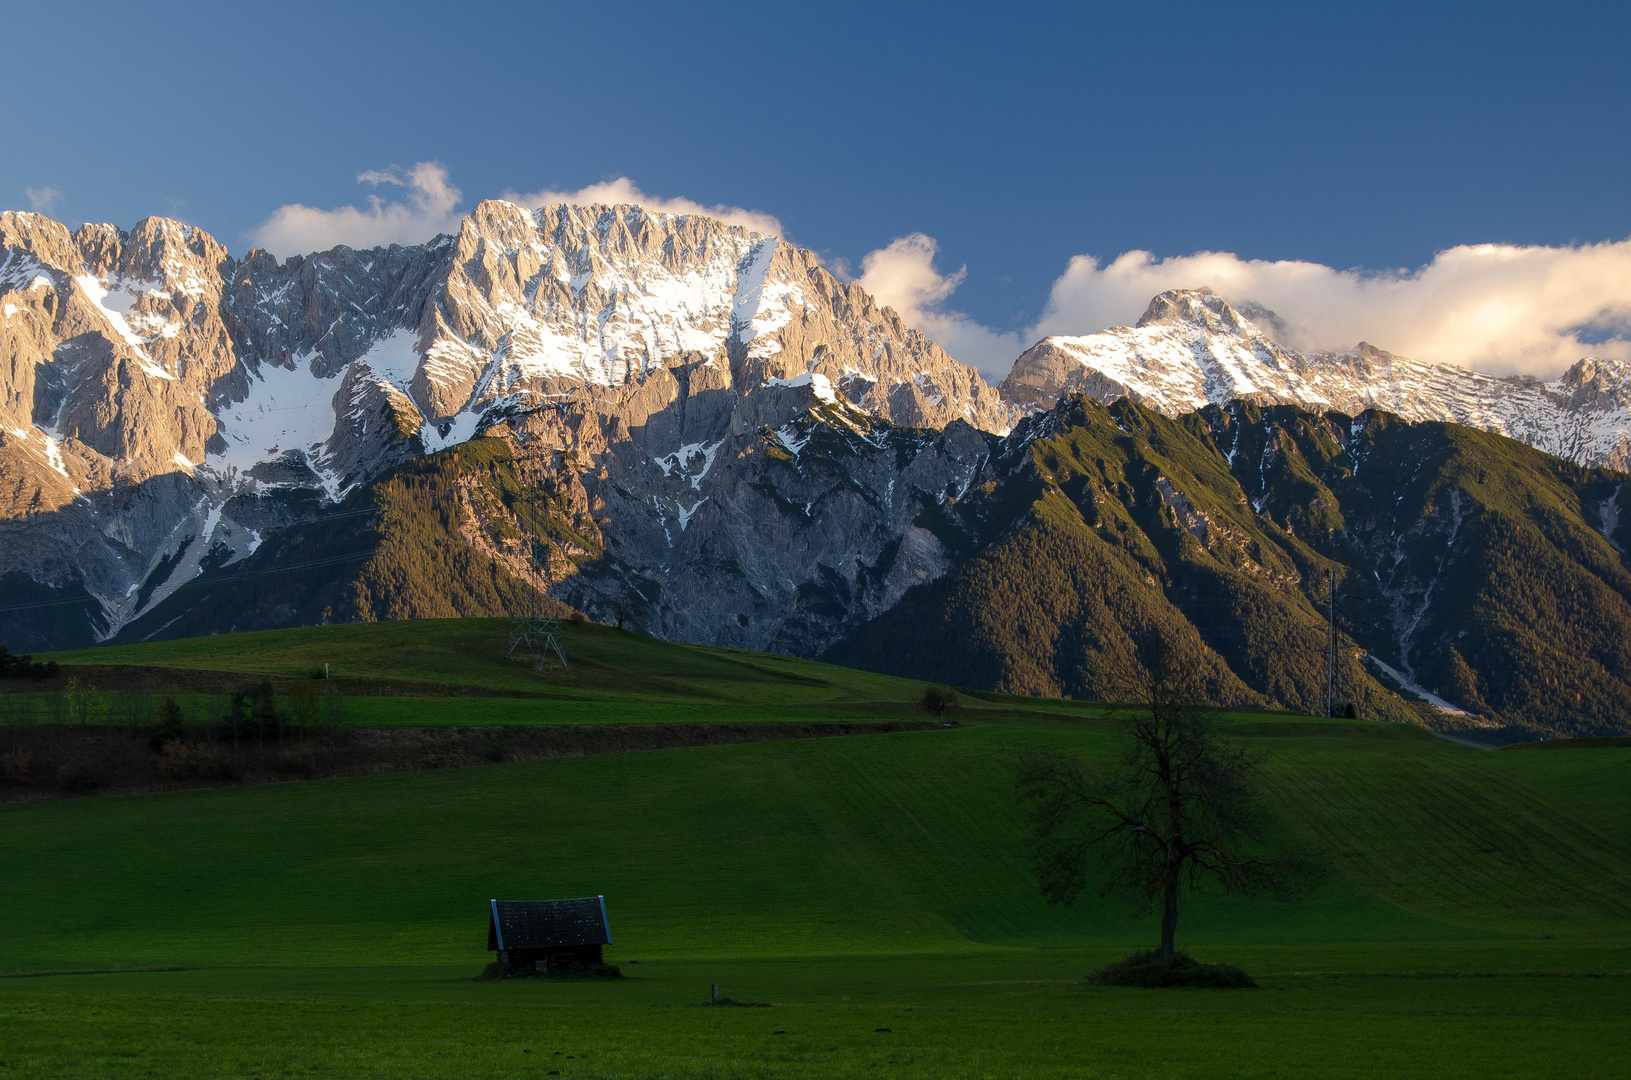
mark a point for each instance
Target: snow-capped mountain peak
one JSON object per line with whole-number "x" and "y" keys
{"x": 150, "y": 367}
{"x": 1192, "y": 348}
{"x": 1200, "y": 308}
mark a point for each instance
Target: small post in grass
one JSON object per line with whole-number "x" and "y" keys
{"x": 714, "y": 988}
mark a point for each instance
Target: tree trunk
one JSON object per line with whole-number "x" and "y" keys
{"x": 1169, "y": 915}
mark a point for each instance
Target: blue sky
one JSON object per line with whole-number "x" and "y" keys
{"x": 1016, "y": 137}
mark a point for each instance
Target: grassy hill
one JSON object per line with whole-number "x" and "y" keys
{"x": 878, "y": 881}
{"x": 603, "y": 664}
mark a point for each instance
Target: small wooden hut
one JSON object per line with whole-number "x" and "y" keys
{"x": 548, "y": 935}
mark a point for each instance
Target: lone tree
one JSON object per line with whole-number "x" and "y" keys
{"x": 1178, "y": 806}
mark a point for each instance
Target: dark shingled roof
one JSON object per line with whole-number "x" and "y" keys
{"x": 548, "y": 924}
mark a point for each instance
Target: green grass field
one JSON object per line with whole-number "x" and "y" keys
{"x": 1477, "y": 919}
{"x": 605, "y": 664}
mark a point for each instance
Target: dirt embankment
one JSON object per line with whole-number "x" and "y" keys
{"x": 53, "y": 761}
{"x": 122, "y": 678}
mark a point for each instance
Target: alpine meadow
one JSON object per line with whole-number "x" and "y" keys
{"x": 1087, "y": 544}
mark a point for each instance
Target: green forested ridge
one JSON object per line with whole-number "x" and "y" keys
{"x": 417, "y": 543}
{"x": 1117, "y": 522}
{"x": 1472, "y": 560}
{"x": 1466, "y": 559}
{"x": 426, "y": 565}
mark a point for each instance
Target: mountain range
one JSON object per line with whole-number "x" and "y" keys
{"x": 697, "y": 431}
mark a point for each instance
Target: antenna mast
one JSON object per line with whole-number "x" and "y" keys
{"x": 1331, "y": 661}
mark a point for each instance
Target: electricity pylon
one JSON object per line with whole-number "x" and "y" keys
{"x": 540, "y": 635}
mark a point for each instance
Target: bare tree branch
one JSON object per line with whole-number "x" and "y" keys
{"x": 1180, "y": 806}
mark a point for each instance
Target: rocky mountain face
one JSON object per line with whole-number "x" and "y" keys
{"x": 1192, "y": 349}
{"x": 696, "y": 431}
{"x": 782, "y": 538}
{"x": 165, "y": 407}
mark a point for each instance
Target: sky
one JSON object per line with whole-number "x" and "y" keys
{"x": 1447, "y": 181}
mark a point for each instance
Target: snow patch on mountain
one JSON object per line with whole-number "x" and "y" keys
{"x": 395, "y": 359}
{"x": 1415, "y": 688}
{"x": 819, "y": 385}
{"x": 462, "y": 428}
{"x": 762, "y": 306}
{"x": 114, "y": 304}
{"x": 288, "y": 411}
{"x": 21, "y": 271}
{"x": 682, "y": 459}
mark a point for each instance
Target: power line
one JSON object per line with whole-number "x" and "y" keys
{"x": 1331, "y": 670}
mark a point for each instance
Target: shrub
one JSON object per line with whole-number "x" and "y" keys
{"x": 56, "y": 708}
{"x": 254, "y": 708}
{"x": 80, "y": 776}
{"x": 1150, "y": 969}
{"x": 307, "y": 706}
{"x": 15, "y": 765}
{"x": 296, "y": 761}
{"x": 937, "y": 699}
{"x": 132, "y": 707}
{"x": 183, "y": 760}
{"x": 79, "y": 702}
{"x": 169, "y": 728}
{"x": 17, "y": 666}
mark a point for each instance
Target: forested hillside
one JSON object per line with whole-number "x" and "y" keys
{"x": 1471, "y": 565}
{"x": 1489, "y": 572}
{"x": 469, "y": 531}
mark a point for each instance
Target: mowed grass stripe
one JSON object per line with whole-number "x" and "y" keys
{"x": 1452, "y": 839}
{"x": 1362, "y": 824}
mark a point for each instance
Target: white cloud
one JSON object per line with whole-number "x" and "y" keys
{"x": 427, "y": 209}
{"x": 42, "y": 199}
{"x": 903, "y": 276}
{"x": 624, "y": 190}
{"x": 430, "y": 207}
{"x": 1494, "y": 307}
